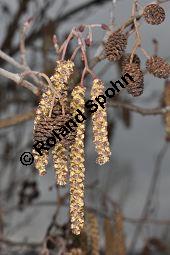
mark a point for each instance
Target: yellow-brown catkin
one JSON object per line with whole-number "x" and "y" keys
{"x": 93, "y": 233}
{"x": 99, "y": 121}
{"x": 62, "y": 73}
{"x": 119, "y": 247}
{"x": 60, "y": 159}
{"x": 167, "y": 103}
{"x": 75, "y": 251}
{"x": 77, "y": 167}
{"x": 42, "y": 112}
{"x": 109, "y": 237}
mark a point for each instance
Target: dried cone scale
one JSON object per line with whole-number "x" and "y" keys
{"x": 44, "y": 124}
{"x": 135, "y": 88}
{"x": 115, "y": 46}
{"x": 154, "y": 14}
{"x": 167, "y": 103}
{"x": 99, "y": 122}
{"x": 77, "y": 168}
{"x": 158, "y": 67}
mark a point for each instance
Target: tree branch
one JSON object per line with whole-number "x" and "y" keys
{"x": 18, "y": 80}
{"x": 140, "y": 110}
{"x": 17, "y": 119}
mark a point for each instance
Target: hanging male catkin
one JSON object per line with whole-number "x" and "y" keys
{"x": 119, "y": 247}
{"x": 43, "y": 123}
{"x": 61, "y": 114}
{"x": 77, "y": 167}
{"x": 99, "y": 121}
{"x": 42, "y": 129}
{"x": 93, "y": 233}
{"x": 167, "y": 103}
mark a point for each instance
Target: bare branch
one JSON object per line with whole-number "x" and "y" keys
{"x": 140, "y": 110}
{"x": 18, "y": 80}
{"x": 17, "y": 119}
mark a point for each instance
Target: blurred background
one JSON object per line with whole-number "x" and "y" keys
{"x": 130, "y": 191}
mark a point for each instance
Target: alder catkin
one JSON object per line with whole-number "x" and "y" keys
{"x": 99, "y": 122}
{"x": 119, "y": 247}
{"x": 63, "y": 71}
{"x": 60, "y": 158}
{"x": 60, "y": 115}
{"x": 43, "y": 124}
{"x": 93, "y": 233}
{"x": 41, "y": 129}
{"x": 167, "y": 114}
{"x": 77, "y": 168}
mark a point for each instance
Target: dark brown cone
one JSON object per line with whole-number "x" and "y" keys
{"x": 47, "y": 124}
{"x": 135, "y": 88}
{"x": 125, "y": 59}
{"x": 154, "y": 14}
{"x": 115, "y": 46}
{"x": 158, "y": 67}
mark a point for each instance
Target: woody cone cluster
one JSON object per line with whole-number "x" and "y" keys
{"x": 77, "y": 168}
{"x": 99, "y": 121}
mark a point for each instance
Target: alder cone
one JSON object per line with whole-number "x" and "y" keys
{"x": 47, "y": 124}
{"x": 125, "y": 59}
{"x": 135, "y": 88}
{"x": 115, "y": 46}
{"x": 158, "y": 67}
{"x": 154, "y": 14}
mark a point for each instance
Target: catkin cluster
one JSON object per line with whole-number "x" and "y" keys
{"x": 77, "y": 168}
{"x": 99, "y": 121}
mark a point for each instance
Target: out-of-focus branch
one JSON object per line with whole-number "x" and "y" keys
{"x": 19, "y": 80}
{"x": 151, "y": 190}
{"x": 17, "y": 119}
{"x": 140, "y": 110}
{"x": 19, "y": 244}
{"x": 11, "y": 60}
{"x": 27, "y": 116}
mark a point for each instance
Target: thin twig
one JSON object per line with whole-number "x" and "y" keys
{"x": 17, "y": 119}
{"x": 17, "y": 78}
{"x": 152, "y": 186}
